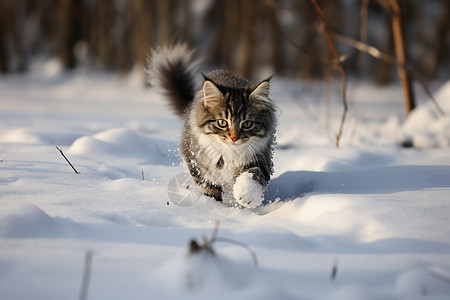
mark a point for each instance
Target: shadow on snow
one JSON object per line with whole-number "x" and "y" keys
{"x": 386, "y": 180}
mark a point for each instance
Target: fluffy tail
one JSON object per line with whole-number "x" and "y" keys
{"x": 170, "y": 69}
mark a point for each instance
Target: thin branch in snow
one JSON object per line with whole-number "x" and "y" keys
{"x": 338, "y": 64}
{"x": 142, "y": 174}
{"x": 242, "y": 245}
{"x": 86, "y": 275}
{"x": 195, "y": 247}
{"x": 426, "y": 89}
{"x": 424, "y": 291}
{"x": 334, "y": 270}
{"x": 67, "y": 160}
{"x": 207, "y": 244}
{"x": 440, "y": 275}
{"x": 215, "y": 231}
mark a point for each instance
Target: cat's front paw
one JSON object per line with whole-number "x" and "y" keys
{"x": 247, "y": 191}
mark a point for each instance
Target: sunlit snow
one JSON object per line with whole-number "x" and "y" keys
{"x": 374, "y": 211}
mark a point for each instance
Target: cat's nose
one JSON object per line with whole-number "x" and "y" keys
{"x": 234, "y": 139}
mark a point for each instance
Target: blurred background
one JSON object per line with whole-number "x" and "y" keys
{"x": 283, "y": 37}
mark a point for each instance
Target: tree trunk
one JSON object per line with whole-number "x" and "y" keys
{"x": 384, "y": 68}
{"x": 246, "y": 45}
{"x": 69, "y": 31}
{"x": 400, "y": 51}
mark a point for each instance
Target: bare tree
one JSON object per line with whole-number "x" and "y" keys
{"x": 400, "y": 51}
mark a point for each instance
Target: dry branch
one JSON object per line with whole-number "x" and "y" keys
{"x": 86, "y": 275}
{"x": 67, "y": 160}
{"x": 207, "y": 244}
{"x": 376, "y": 53}
{"x": 334, "y": 270}
{"x": 240, "y": 244}
{"x": 363, "y": 47}
{"x": 440, "y": 275}
{"x": 363, "y": 12}
{"x": 338, "y": 65}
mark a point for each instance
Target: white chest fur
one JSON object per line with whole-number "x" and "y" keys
{"x": 223, "y": 160}
{"x": 232, "y": 157}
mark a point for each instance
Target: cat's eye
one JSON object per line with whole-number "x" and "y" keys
{"x": 247, "y": 124}
{"x": 222, "y": 123}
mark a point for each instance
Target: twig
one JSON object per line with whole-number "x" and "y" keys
{"x": 363, "y": 12}
{"x": 67, "y": 160}
{"x": 428, "y": 92}
{"x": 374, "y": 52}
{"x": 363, "y": 47}
{"x": 334, "y": 270}
{"x": 207, "y": 245}
{"x": 240, "y": 244}
{"x": 86, "y": 275}
{"x": 214, "y": 233}
{"x": 440, "y": 275}
{"x": 142, "y": 173}
{"x": 339, "y": 66}
{"x": 287, "y": 37}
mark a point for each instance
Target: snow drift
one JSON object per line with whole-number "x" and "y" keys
{"x": 367, "y": 221}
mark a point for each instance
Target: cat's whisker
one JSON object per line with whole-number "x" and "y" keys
{"x": 253, "y": 152}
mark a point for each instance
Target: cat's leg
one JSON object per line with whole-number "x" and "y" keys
{"x": 212, "y": 190}
{"x": 249, "y": 188}
{"x": 209, "y": 189}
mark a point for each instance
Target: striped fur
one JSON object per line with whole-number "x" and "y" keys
{"x": 229, "y": 122}
{"x": 171, "y": 71}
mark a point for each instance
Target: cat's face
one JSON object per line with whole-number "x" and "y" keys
{"x": 236, "y": 116}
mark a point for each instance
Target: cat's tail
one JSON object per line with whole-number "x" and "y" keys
{"x": 171, "y": 70}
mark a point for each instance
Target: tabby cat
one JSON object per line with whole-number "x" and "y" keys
{"x": 229, "y": 125}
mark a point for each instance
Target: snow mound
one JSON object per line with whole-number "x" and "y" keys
{"x": 122, "y": 142}
{"x": 421, "y": 283}
{"x": 39, "y": 136}
{"x": 20, "y": 136}
{"x": 425, "y": 127}
{"x": 28, "y": 220}
{"x": 350, "y": 292}
{"x": 47, "y": 68}
{"x": 204, "y": 276}
{"x": 371, "y": 210}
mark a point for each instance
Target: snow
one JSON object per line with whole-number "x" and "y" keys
{"x": 375, "y": 212}
{"x": 436, "y": 132}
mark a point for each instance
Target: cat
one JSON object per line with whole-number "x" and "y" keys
{"x": 229, "y": 125}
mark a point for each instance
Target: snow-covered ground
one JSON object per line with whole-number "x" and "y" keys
{"x": 373, "y": 214}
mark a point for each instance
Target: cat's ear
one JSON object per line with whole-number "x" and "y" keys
{"x": 262, "y": 90}
{"x": 211, "y": 94}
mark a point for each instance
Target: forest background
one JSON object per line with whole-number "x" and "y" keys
{"x": 284, "y": 37}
